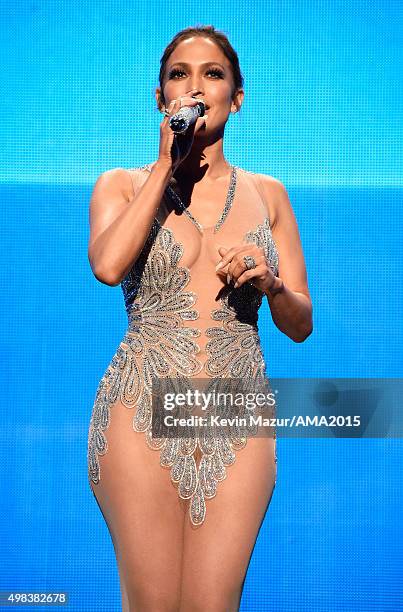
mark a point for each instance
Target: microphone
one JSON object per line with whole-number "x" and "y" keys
{"x": 186, "y": 116}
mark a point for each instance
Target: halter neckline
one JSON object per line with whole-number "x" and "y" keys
{"x": 227, "y": 206}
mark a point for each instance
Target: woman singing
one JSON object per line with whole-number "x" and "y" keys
{"x": 196, "y": 243}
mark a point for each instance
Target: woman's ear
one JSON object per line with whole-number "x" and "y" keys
{"x": 237, "y": 101}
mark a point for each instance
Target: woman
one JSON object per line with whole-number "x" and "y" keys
{"x": 196, "y": 244}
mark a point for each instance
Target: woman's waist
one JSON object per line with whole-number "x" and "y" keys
{"x": 201, "y": 332}
{"x": 203, "y": 320}
{"x": 213, "y": 347}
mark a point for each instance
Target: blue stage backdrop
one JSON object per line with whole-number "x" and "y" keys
{"x": 322, "y": 113}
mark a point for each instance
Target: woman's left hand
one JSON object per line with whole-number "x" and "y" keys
{"x": 233, "y": 267}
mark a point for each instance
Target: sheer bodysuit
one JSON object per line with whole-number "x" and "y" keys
{"x": 185, "y": 321}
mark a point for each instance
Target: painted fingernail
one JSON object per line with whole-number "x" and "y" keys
{"x": 236, "y": 285}
{"x": 228, "y": 278}
{"x": 218, "y": 266}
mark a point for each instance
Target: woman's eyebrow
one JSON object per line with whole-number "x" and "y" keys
{"x": 186, "y": 65}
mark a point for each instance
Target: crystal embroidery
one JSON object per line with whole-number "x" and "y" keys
{"x": 228, "y": 203}
{"x": 157, "y": 344}
{"x": 234, "y": 349}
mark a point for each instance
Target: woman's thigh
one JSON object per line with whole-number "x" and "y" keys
{"x": 144, "y": 515}
{"x": 216, "y": 554}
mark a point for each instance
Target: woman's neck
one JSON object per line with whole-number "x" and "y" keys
{"x": 209, "y": 166}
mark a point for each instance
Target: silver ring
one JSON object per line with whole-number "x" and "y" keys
{"x": 249, "y": 262}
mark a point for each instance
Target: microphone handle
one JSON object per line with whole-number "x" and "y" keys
{"x": 186, "y": 116}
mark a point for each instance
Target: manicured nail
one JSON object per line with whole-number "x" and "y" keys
{"x": 236, "y": 285}
{"x": 218, "y": 266}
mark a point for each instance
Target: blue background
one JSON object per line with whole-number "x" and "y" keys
{"x": 322, "y": 113}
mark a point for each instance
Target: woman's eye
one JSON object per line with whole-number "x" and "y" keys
{"x": 175, "y": 72}
{"x": 215, "y": 71}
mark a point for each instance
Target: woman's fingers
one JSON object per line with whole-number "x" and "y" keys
{"x": 176, "y": 147}
{"x": 233, "y": 268}
{"x": 177, "y": 103}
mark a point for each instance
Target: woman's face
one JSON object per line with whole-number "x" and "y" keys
{"x": 198, "y": 63}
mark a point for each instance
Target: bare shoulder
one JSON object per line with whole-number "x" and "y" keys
{"x": 112, "y": 191}
{"x": 116, "y": 181}
{"x": 276, "y": 197}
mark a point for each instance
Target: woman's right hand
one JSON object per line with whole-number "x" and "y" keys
{"x": 174, "y": 148}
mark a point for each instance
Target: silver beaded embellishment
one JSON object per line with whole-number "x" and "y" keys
{"x": 263, "y": 238}
{"x": 228, "y": 203}
{"x": 157, "y": 344}
{"x": 234, "y": 349}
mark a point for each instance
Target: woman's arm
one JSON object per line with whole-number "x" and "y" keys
{"x": 119, "y": 226}
{"x": 289, "y": 299}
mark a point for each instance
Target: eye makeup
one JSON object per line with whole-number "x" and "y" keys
{"x": 217, "y": 72}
